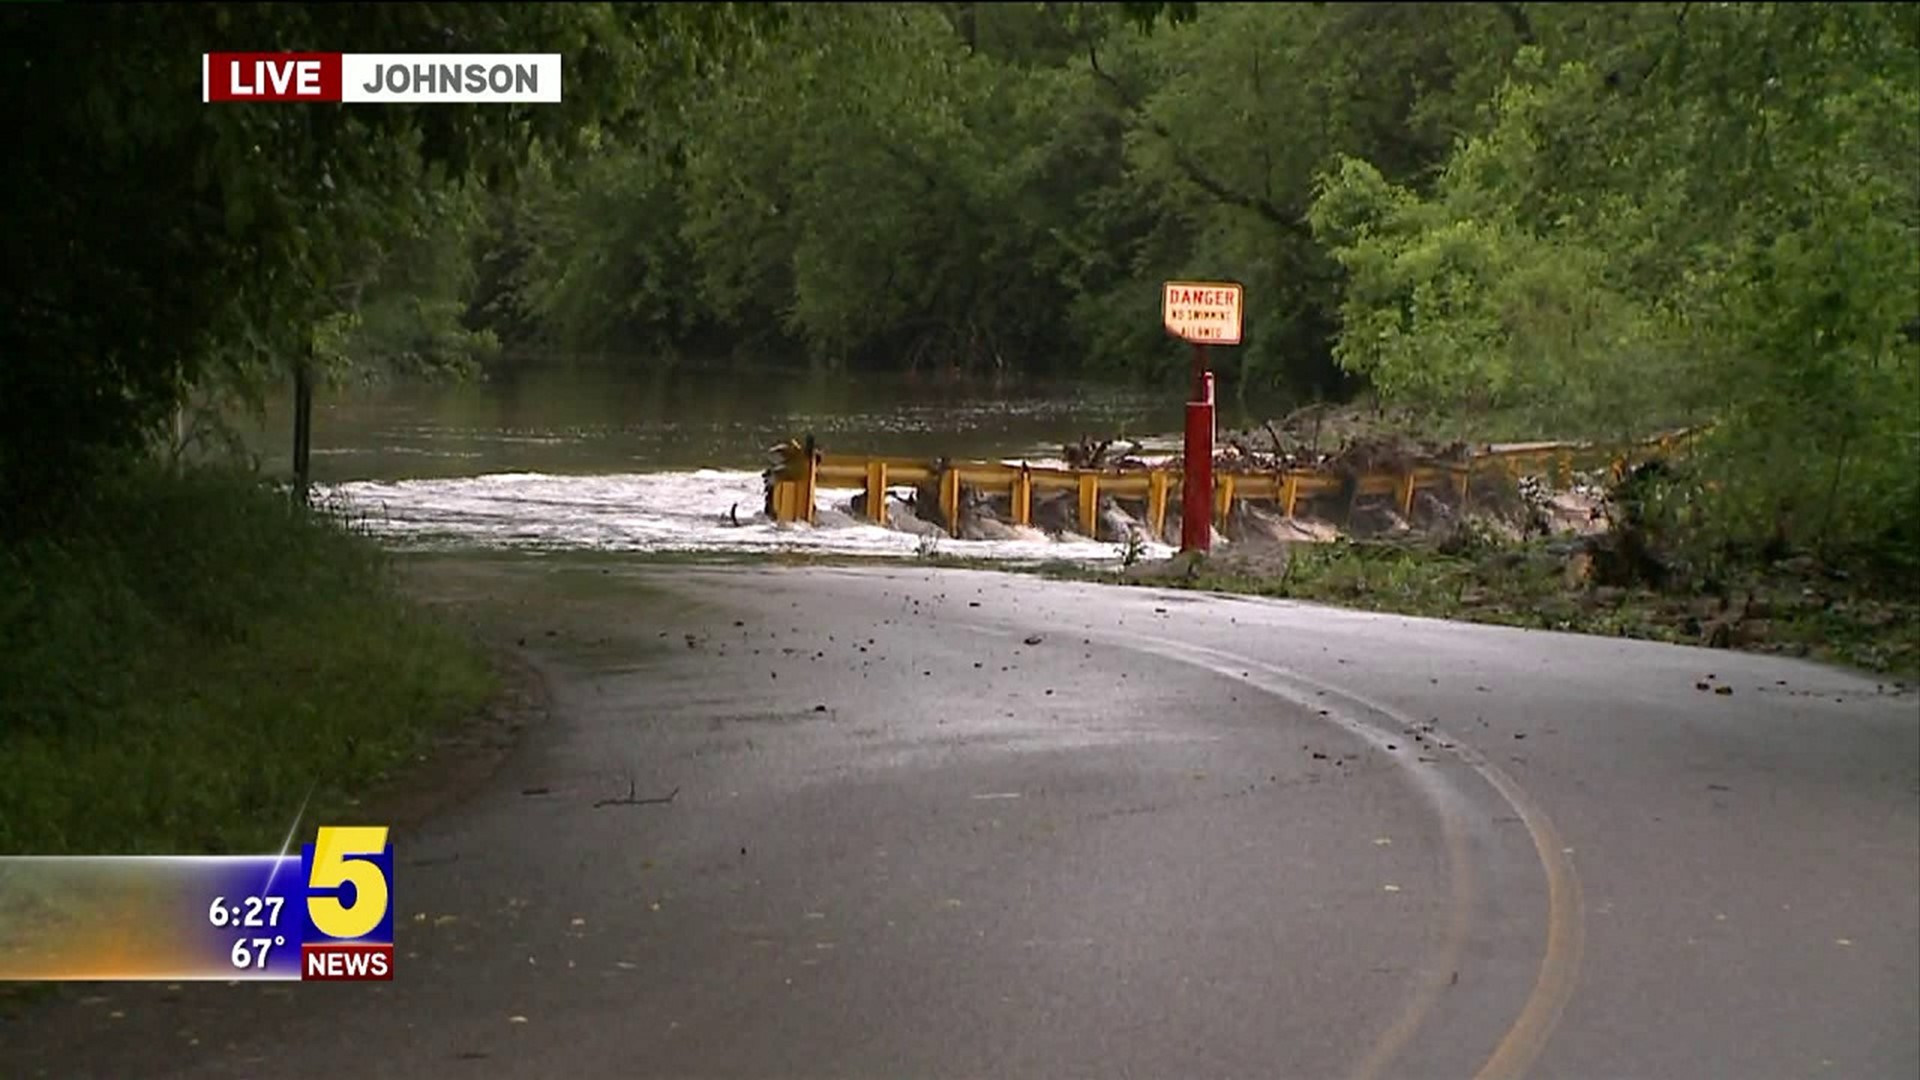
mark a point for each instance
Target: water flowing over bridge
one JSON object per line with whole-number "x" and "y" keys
{"x": 948, "y": 492}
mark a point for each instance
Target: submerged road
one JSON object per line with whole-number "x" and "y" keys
{"x": 956, "y": 824}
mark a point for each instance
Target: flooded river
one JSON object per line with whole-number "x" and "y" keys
{"x": 561, "y": 458}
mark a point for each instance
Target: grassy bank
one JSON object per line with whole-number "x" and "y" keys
{"x": 1793, "y": 607}
{"x": 183, "y": 665}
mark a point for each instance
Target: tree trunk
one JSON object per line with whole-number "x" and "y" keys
{"x": 302, "y": 430}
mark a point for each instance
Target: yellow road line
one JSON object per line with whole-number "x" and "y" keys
{"x": 1566, "y": 937}
{"x": 1524, "y": 1041}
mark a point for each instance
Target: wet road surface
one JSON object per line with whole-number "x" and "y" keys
{"x": 956, "y": 824}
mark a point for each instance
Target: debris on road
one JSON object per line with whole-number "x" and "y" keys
{"x": 631, "y": 799}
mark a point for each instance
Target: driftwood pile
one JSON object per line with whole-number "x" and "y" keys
{"x": 1105, "y": 454}
{"x": 1321, "y": 437}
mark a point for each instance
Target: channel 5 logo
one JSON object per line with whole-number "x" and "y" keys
{"x": 348, "y": 874}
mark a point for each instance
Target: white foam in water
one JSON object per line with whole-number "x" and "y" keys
{"x": 644, "y": 512}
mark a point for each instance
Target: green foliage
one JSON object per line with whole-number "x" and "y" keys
{"x": 1231, "y": 118}
{"x": 993, "y": 185}
{"x": 407, "y": 315}
{"x": 1694, "y": 214}
{"x": 1578, "y": 218}
{"x": 194, "y": 656}
{"x": 1795, "y": 608}
{"x": 856, "y": 192}
{"x": 158, "y": 242}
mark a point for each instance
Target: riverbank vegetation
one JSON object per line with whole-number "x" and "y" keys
{"x": 188, "y": 654}
{"x": 195, "y": 656}
{"x": 1796, "y": 607}
{"x": 1547, "y": 220}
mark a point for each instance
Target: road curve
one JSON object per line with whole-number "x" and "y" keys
{"x": 963, "y": 824}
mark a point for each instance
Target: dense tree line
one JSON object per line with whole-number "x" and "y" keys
{"x": 1592, "y": 219}
{"x": 1597, "y": 218}
{"x": 1702, "y": 213}
{"x": 992, "y": 186}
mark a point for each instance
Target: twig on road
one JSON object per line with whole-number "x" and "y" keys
{"x": 631, "y": 800}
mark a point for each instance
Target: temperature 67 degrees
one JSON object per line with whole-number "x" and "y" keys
{"x": 249, "y": 912}
{"x": 252, "y": 953}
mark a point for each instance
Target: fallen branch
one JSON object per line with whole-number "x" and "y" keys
{"x": 1279, "y": 444}
{"x": 631, "y": 800}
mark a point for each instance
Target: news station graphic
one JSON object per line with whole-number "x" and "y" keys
{"x": 382, "y": 78}
{"x": 325, "y": 914}
{"x": 348, "y": 872}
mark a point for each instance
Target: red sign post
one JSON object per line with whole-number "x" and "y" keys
{"x": 1203, "y": 313}
{"x": 1196, "y": 491}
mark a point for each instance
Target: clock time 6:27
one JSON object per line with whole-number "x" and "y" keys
{"x": 250, "y": 911}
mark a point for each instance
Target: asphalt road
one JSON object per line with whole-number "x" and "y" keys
{"x": 952, "y": 824}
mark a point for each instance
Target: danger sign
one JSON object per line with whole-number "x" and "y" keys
{"x": 1203, "y": 312}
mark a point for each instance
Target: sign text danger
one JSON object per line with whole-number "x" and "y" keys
{"x": 1203, "y": 312}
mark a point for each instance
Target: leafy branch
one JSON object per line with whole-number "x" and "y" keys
{"x": 1197, "y": 175}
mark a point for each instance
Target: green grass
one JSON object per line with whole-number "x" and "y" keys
{"x": 1785, "y": 608}
{"x": 193, "y": 656}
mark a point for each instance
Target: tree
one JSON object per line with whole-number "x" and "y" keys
{"x": 1230, "y": 118}
{"x": 157, "y": 239}
{"x": 1707, "y": 213}
{"x": 1002, "y": 185}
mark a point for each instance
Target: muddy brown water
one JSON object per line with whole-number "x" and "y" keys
{"x": 630, "y": 460}
{"x": 579, "y": 420}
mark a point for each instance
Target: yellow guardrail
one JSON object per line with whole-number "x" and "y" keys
{"x": 803, "y": 469}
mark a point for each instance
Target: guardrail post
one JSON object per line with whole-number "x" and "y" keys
{"x": 877, "y": 492}
{"x": 1157, "y": 503}
{"x": 1462, "y": 484}
{"x": 1289, "y": 492}
{"x": 809, "y": 483}
{"x": 950, "y": 498}
{"x": 1223, "y": 499}
{"x": 1090, "y": 505}
{"x": 1023, "y": 496}
{"x": 1563, "y": 469}
{"x": 1403, "y": 492}
{"x": 784, "y": 498}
